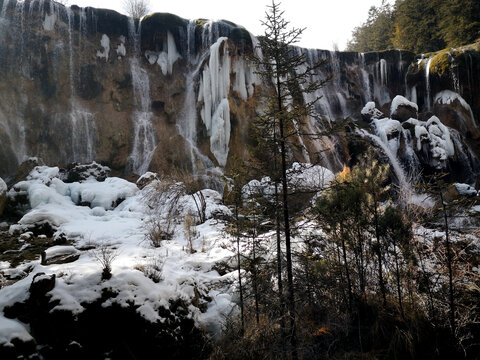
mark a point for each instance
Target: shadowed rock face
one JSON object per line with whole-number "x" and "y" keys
{"x": 169, "y": 94}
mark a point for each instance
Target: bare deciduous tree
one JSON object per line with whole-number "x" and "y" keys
{"x": 136, "y": 8}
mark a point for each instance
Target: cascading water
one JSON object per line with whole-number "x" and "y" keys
{"x": 365, "y": 79}
{"x": 428, "y": 104}
{"x": 82, "y": 121}
{"x": 14, "y": 126}
{"x": 383, "y": 72}
{"x": 187, "y": 122}
{"x": 3, "y": 13}
{"x": 144, "y": 141}
{"x": 403, "y": 184}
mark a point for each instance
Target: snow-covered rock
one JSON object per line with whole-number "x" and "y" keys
{"x": 370, "y": 112}
{"x": 146, "y": 179}
{"x": 402, "y": 109}
{"x": 454, "y": 111}
{"x": 60, "y": 255}
{"x": 465, "y": 189}
{"x": 107, "y": 194}
{"x": 301, "y": 176}
{"x": 82, "y": 172}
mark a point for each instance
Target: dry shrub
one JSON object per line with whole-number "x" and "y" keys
{"x": 157, "y": 231}
{"x": 260, "y": 341}
{"x": 153, "y": 268}
{"x": 105, "y": 254}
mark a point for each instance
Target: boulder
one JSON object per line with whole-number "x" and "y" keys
{"x": 402, "y": 109}
{"x": 456, "y": 113}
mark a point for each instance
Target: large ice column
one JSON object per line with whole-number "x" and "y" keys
{"x": 214, "y": 89}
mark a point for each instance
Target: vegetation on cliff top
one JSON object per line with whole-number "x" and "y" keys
{"x": 418, "y": 25}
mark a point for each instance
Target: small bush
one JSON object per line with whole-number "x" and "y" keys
{"x": 105, "y": 254}
{"x": 157, "y": 231}
{"x": 153, "y": 268}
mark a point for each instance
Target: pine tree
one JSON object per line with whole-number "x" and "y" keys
{"x": 284, "y": 107}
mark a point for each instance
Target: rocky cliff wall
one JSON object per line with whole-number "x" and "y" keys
{"x": 168, "y": 94}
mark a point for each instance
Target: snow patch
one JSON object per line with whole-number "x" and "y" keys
{"x": 49, "y": 22}
{"x": 465, "y": 189}
{"x": 105, "y": 42}
{"x": 12, "y": 329}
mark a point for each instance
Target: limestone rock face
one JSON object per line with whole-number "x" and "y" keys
{"x": 171, "y": 95}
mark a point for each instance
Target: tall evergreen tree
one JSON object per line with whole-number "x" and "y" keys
{"x": 284, "y": 109}
{"x": 376, "y": 33}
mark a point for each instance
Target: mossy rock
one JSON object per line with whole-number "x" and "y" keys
{"x": 441, "y": 63}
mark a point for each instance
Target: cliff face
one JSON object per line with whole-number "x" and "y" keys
{"x": 169, "y": 94}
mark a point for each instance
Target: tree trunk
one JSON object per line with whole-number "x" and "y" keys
{"x": 279, "y": 276}
{"x": 254, "y": 274}
{"x": 347, "y": 271}
{"x": 449, "y": 265}
{"x": 397, "y": 271}
{"x": 286, "y": 220}
{"x": 242, "y": 316}
{"x": 379, "y": 252}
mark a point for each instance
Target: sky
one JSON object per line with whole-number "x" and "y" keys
{"x": 327, "y": 22}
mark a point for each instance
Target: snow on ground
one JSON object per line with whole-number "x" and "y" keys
{"x": 301, "y": 176}
{"x": 465, "y": 189}
{"x": 123, "y": 230}
{"x": 12, "y": 329}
